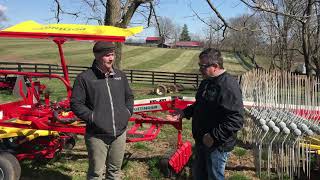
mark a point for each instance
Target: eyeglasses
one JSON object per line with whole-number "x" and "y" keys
{"x": 204, "y": 66}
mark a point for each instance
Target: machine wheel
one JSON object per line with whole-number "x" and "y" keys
{"x": 164, "y": 166}
{"x": 180, "y": 87}
{"x": 160, "y": 90}
{"x": 9, "y": 167}
{"x": 172, "y": 88}
{"x": 70, "y": 143}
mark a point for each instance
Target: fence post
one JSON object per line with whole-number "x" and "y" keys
{"x": 197, "y": 80}
{"x": 35, "y": 68}
{"x": 49, "y": 71}
{"x": 131, "y": 76}
{"x": 174, "y": 78}
{"x": 19, "y": 67}
{"x": 152, "y": 79}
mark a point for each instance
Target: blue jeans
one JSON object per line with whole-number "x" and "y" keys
{"x": 208, "y": 164}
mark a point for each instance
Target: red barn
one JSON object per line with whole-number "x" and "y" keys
{"x": 188, "y": 44}
{"x": 153, "y": 40}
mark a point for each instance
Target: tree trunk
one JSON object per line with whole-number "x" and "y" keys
{"x": 112, "y": 17}
{"x": 306, "y": 38}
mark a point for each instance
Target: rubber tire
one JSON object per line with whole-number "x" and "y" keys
{"x": 14, "y": 161}
{"x": 8, "y": 168}
{"x": 172, "y": 88}
{"x": 70, "y": 143}
{"x": 164, "y": 166}
{"x": 180, "y": 87}
{"x": 160, "y": 90}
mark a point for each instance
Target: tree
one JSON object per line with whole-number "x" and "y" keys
{"x": 288, "y": 21}
{"x": 176, "y": 32}
{"x": 185, "y": 34}
{"x": 165, "y": 28}
{"x": 213, "y": 36}
{"x": 2, "y": 15}
{"x": 105, "y": 12}
{"x": 245, "y": 42}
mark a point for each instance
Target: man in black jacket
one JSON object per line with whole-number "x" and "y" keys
{"x": 217, "y": 115}
{"x": 101, "y": 96}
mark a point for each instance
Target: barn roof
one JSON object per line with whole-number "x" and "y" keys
{"x": 188, "y": 43}
{"x": 153, "y": 39}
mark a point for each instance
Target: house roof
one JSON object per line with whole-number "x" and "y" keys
{"x": 188, "y": 43}
{"x": 153, "y": 39}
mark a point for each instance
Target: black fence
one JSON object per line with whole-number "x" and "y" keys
{"x": 140, "y": 76}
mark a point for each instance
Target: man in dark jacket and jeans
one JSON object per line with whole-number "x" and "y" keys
{"x": 217, "y": 115}
{"x": 101, "y": 96}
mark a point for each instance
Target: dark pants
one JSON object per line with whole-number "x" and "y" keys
{"x": 208, "y": 164}
{"x": 105, "y": 155}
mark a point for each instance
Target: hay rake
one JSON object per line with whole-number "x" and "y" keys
{"x": 284, "y": 119}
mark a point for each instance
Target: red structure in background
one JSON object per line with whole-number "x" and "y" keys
{"x": 188, "y": 44}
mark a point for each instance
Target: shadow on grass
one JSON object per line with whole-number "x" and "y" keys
{"x": 54, "y": 169}
{"x": 246, "y": 65}
{"x": 154, "y": 167}
{"x": 73, "y": 157}
{"x": 30, "y": 172}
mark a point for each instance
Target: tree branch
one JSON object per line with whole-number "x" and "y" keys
{"x": 214, "y": 28}
{"x": 226, "y": 25}
{"x": 273, "y": 11}
{"x": 60, "y": 10}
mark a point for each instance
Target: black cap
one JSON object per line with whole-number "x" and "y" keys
{"x": 103, "y": 46}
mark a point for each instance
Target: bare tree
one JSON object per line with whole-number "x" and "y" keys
{"x": 106, "y": 12}
{"x": 212, "y": 33}
{"x": 2, "y": 15}
{"x": 285, "y": 22}
{"x": 166, "y": 28}
{"x": 245, "y": 42}
{"x": 176, "y": 32}
{"x": 280, "y": 31}
{"x": 310, "y": 36}
{"x": 290, "y": 15}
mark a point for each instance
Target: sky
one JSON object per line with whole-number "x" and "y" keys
{"x": 178, "y": 10}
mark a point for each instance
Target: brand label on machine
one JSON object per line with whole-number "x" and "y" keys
{"x": 152, "y": 107}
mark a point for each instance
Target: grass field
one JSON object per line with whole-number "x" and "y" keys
{"x": 134, "y": 57}
{"x": 142, "y": 158}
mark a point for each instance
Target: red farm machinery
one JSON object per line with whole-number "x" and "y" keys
{"x": 37, "y": 128}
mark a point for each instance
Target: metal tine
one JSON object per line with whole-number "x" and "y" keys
{"x": 282, "y": 118}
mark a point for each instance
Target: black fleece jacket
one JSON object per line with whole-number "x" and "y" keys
{"x": 105, "y": 103}
{"x": 218, "y": 110}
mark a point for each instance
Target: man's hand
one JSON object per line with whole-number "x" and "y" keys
{"x": 176, "y": 115}
{"x": 171, "y": 117}
{"x": 207, "y": 140}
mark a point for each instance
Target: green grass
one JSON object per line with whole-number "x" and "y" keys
{"x": 141, "y": 146}
{"x": 6, "y": 96}
{"x": 154, "y": 169}
{"x": 239, "y": 151}
{"x": 192, "y": 65}
{"x": 238, "y": 176}
{"x": 175, "y": 65}
{"x": 159, "y": 60}
{"x": 134, "y": 57}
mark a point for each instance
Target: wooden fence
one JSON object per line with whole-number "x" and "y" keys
{"x": 141, "y": 76}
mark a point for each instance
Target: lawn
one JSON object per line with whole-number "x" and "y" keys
{"x": 134, "y": 57}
